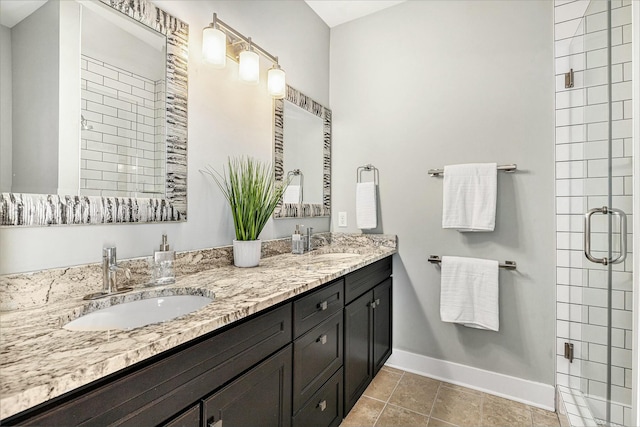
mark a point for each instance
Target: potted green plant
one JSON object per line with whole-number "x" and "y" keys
{"x": 251, "y": 189}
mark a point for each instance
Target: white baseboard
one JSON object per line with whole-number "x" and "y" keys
{"x": 524, "y": 391}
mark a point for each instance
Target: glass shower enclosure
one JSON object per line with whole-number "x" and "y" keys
{"x": 594, "y": 203}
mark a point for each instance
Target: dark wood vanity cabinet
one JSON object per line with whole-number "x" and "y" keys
{"x": 367, "y": 327}
{"x": 303, "y": 363}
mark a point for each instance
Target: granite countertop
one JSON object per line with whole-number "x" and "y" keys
{"x": 39, "y": 360}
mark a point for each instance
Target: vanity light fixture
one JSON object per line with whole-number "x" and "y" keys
{"x": 220, "y": 40}
{"x": 249, "y": 67}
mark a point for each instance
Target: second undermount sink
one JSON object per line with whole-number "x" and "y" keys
{"x": 134, "y": 314}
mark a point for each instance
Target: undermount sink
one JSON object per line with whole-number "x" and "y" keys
{"x": 134, "y": 314}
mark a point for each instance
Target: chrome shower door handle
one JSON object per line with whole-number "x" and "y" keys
{"x": 623, "y": 235}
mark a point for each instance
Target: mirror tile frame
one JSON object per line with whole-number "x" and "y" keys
{"x": 302, "y": 210}
{"x": 52, "y": 209}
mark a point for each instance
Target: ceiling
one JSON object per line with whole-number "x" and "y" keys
{"x": 336, "y": 12}
{"x": 332, "y": 12}
{"x": 14, "y": 11}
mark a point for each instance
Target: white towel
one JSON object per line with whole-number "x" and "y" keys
{"x": 366, "y": 205}
{"x": 291, "y": 194}
{"x": 469, "y": 292}
{"x": 469, "y": 197}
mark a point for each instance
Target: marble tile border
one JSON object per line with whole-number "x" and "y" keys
{"x": 28, "y": 290}
{"x": 45, "y": 210}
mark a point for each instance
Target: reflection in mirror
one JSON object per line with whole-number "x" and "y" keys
{"x": 302, "y": 152}
{"x": 96, "y": 125}
{"x": 123, "y": 101}
{"x": 303, "y": 138}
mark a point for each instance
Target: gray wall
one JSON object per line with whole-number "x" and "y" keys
{"x": 430, "y": 83}
{"x": 226, "y": 118}
{"x": 5, "y": 109}
{"x": 36, "y": 67}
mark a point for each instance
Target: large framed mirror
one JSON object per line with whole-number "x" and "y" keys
{"x": 97, "y": 113}
{"x": 302, "y": 154}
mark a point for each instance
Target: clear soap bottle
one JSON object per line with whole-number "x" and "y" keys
{"x": 163, "y": 272}
{"x": 297, "y": 243}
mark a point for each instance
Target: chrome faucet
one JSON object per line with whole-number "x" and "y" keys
{"x": 309, "y": 243}
{"x": 110, "y": 269}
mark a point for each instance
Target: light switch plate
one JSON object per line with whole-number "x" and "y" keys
{"x": 342, "y": 219}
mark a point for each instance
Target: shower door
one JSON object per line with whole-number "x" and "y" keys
{"x": 594, "y": 171}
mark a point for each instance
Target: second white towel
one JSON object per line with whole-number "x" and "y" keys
{"x": 291, "y": 194}
{"x": 469, "y": 292}
{"x": 469, "y": 197}
{"x": 366, "y": 205}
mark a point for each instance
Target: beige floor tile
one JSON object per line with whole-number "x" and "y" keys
{"x": 434, "y": 422}
{"x": 461, "y": 388}
{"x": 542, "y": 418}
{"x": 383, "y": 385}
{"x": 364, "y": 413}
{"x": 390, "y": 369}
{"x": 457, "y": 407}
{"x": 415, "y": 392}
{"x": 393, "y": 416}
{"x": 498, "y": 412}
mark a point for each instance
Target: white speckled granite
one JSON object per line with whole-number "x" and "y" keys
{"x": 39, "y": 360}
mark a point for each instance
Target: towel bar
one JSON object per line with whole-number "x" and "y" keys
{"x": 507, "y": 265}
{"x": 367, "y": 168}
{"x": 506, "y": 168}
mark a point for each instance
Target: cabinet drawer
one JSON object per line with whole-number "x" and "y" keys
{"x": 324, "y": 409}
{"x": 155, "y": 393}
{"x": 360, "y": 281}
{"x": 316, "y": 357}
{"x": 316, "y": 307}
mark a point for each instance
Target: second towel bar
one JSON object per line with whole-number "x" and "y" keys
{"x": 506, "y": 168}
{"x": 507, "y": 265}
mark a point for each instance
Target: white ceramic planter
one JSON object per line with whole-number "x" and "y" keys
{"x": 246, "y": 253}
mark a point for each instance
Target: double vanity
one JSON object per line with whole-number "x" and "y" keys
{"x": 294, "y": 341}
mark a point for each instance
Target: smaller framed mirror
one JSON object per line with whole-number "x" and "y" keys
{"x": 302, "y": 153}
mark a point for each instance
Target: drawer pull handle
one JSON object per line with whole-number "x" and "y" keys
{"x": 322, "y": 339}
{"x": 216, "y": 424}
{"x": 323, "y": 306}
{"x": 322, "y": 405}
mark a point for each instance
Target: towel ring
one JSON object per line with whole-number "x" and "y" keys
{"x": 367, "y": 168}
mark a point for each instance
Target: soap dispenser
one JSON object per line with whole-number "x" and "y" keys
{"x": 297, "y": 243}
{"x": 163, "y": 273}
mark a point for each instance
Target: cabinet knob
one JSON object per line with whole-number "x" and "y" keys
{"x": 322, "y": 405}
{"x": 377, "y": 302}
{"x": 323, "y": 305}
{"x": 373, "y": 304}
{"x": 322, "y": 339}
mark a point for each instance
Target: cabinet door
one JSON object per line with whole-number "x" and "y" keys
{"x": 358, "y": 333}
{"x": 259, "y": 398}
{"x": 189, "y": 418}
{"x": 382, "y": 312}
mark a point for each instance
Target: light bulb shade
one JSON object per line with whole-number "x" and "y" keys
{"x": 249, "y": 69}
{"x": 214, "y": 47}
{"x": 276, "y": 83}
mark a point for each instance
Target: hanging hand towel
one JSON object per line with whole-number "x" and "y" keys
{"x": 366, "y": 214}
{"x": 291, "y": 194}
{"x": 469, "y": 292}
{"x": 469, "y": 197}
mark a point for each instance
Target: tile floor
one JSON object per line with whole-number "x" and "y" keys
{"x": 398, "y": 398}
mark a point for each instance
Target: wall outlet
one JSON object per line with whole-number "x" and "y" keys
{"x": 342, "y": 219}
